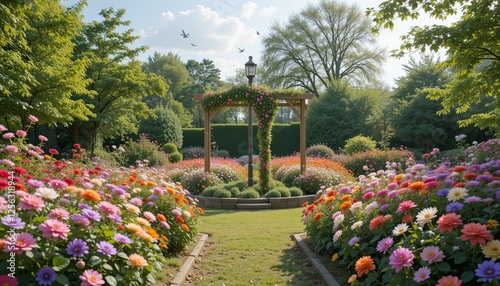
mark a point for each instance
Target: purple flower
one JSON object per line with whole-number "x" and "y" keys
{"x": 35, "y": 184}
{"x": 58, "y": 184}
{"x": 422, "y": 274}
{"x": 116, "y": 218}
{"x": 383, "y": 207}
{"x": 122, "y": 238}
{"x": 353, "y": 240}
{"x": 443, "y": 192}
{"x": 46, "y": 276}
{"x": 83, "y": 206}
{"x": 482, "y": 178}
{"x": 77, "y": 248}
{"x": 487, "y": 271}
{"x": 384, "y": 244}
{"x": 90, "y": 214}
{"x": 80, "y": 220}
{"x": 401, "y": 257}
{"x": 13, "y": 222}
{"x": 473, "y": 199}
{"x": 106, "y": 248}
{"x": 472, "y": 184}
{"x": 454, "y": 207}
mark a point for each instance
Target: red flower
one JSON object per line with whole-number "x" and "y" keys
{"x": 76, "y": 145}
{"x": 3, "y": 184}
{"x": 4, "y": 174}
{"x": 317, "y": 216}
{"x": 179, "y": 219}
{"x": 459, "y": 169}
{"x": 19, "y": 170}
{"x": 69, "y": 181}
{"x": 53, "y": 152}
{"x": 476, "y": 233}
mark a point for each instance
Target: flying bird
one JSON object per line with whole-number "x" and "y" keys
{"x": 241, "y": 50}
{"x": 184, "y": 34}
{"x": 193, "y": 45}
{"x": 258, "y": 33}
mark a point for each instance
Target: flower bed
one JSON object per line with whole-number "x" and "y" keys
{"x": 422, "y": 226}
{"x": 66, "y": 222}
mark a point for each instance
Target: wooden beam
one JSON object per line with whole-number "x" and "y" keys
{"x": 303, "y": 136}
{"x": 207, "y": 141}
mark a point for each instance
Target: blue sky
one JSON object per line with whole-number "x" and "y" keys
{"x": 219, "y": 28}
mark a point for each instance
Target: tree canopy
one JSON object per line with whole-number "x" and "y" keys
{"x": 472, "y": 46}
{"x": 321, "y": 44}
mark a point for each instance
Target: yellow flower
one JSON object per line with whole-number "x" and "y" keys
{"x": 492, "y": 249}
{"x": 134, "y": 227}
{"x": 335, "y": 256}
{"x": 491, "y": 223}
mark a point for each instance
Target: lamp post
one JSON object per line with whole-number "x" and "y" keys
{"x": 250, "y": 70}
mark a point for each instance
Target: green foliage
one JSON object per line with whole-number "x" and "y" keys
{"x": 197, "y": 180}
{"x": 222, "y": 193}
{"x": 175, "y": 157}
{"x": 209, "y": 191}
{"x": 295, "y": 191}
{"x": 240, "y": 184}
{"x": 473, "y": 59}
{"x": 287, "y": 174}
{"x": 315, "y": 178}
{"x": 372, "y": 161}
{"x": 250, "y": 193}
{"x": 193, "y": 152}
{"x": 321, "y": 44}
{"x": 359, "y": 144}
{"x": 320, "y": 150}
{"x": 169, "y": 148}
{"x": 273, "y": 193}
{"x": 163, "y": 128}
{"x": 221, "y": 153}
{"x": 142, "y": 151}
{"x": 284, "y": 191}
{"x": 235, "y": 191}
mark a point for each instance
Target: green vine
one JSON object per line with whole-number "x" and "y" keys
{"x": 264, "y": 105}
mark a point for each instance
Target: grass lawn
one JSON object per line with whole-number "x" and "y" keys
{"x": 251, "y": 247}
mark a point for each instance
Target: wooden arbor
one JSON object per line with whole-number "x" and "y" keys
{"x": 298, "y": 103}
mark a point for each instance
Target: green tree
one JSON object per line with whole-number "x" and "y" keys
{"x": 38, "y": 74}
{"x": 118, "y": 81}
{"x": 164, "y": 127}
{"x": 472, "y": 46}
{"x": 339, "y": 114}
{"x": 319, "y": 45}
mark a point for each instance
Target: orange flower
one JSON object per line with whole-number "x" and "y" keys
{"x": 416, "y": 186}
{"x": 424, "y": 192}
{"x": 162, "y": 245}
{"x": 142, "y": 183}
{"x": 131, "y": 179}
{"x": 319, "y": 200}
{"x": 164, "y": 237}
{"x": 136, "y": 260}
{"x": 335, "y": 257}
{"x": 151, "y": 184}
{"x": 179, "y": 219}
{"x": 91, "y": 195}
{"x": 398, "y": 177}
{"x": 200, "y": 211}
{"x": 476, "y": 233}
{"x": 192, "y": 213}
{"x": 171, "y": 191}
{"x": 161, "y": 217}
{"x": 345, "y": 197}
{"x": 318, "y": 216}
{"x": 185, "y": 227}
{"x": 329, "y": 199}
{"x": 364, "y": 265}
{"x": 332, "y": 193}
{"x": 376, "y": 222}
{"x": 459, "y": 185}
{"x": 345, "y": 205}
{"x": 459, "y": 169}
{"x": 405, "y": 184}
{"x": 153, "y": 233}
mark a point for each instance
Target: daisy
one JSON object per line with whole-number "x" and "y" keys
{"x": 456, "y": 194}
{"x": 400, "y": 229}
{"x": 426, "y": 215}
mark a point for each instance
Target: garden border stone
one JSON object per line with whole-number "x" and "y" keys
{"x": 254, "y": 204}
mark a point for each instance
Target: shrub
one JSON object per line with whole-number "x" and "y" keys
{"x": 193, "y": 152}
{"x": 240, "y": 184}
{"x": 175, "y": 157}
{"x": 225, "y": 172}
{"x": 359, "y": 144}
{"x": 287, "y": 174}
{"x": 169, "y": 148}
{"x": 250, "y": 193}
{"x": 295, "y": 191}
{"x": 235, "y": 191}
{"x": 175, "y": 175}
{"x": 143, "y": 151}
{"x": 222, "y": 193}
{"x": 197, "y": 180}
{"x": 320, "y": 150}
{"x": 285, "y": 192}
{"x": 371, "y": 161}
{"x": 316, "y": 178}
{"x": 273, "y": 193}
{"x": 221, "y": 153}
{"x": 164, "y": 127}
{"x": 209, "y": 191}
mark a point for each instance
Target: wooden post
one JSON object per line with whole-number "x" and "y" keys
{"x": 302, "y": 136}
{"x": 207, "y": 141}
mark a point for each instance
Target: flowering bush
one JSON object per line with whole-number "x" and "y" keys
{"x": 432, "y": 226}
{"x": 198, "y": 180}
{"x": 143, "y": 151}
{"x": 320, "y": 150}
{"x": 362, "y": 163}
{"x": 63, "y": 222}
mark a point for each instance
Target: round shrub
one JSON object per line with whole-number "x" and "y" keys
{"x": 193, "y": 152}
{"x": 225, "y": 173}
{"x": 222, "y": 193}
{"x": 273, "y": 194}
{"x": 287, "y": 174}
{"x": 314, "y": 178}
{"x": 320, "y": 150}
{"x": 234, "y": 191}
{"x": 372, "y": 161}
{"x": 197, "y": 180}
{"x": 250, "y": 193}
{"x": 142, "y": 151}
{"x": 175, "y": 175}
{"x": 175, "y": 157}
{"x": 164, "y": 127}
{"x": 284, "y": 191}
{"x": 240, "y": 184}
{"x": 221, "y": 153}
{"x": 359, "y": 144}
{"x": 209, "y": 192}
{"x": 169, "y": 148}
{"x": 295, "y": 192}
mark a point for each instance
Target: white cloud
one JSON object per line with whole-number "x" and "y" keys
{"x": 168, "y": 15}
{"x": 249, "y": 9}
{"x": 268, "y": 11}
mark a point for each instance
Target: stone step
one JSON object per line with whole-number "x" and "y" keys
{"x": 259, "y": 206}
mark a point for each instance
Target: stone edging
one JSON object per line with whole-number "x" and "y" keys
{"x": 257, "y": 203}
{"x": 182, "y": 274}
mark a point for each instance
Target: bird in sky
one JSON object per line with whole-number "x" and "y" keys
{"x": 193, "y": 45}
{"x": 258, "y": 33}
{"x": 184, "y": 34}
{"x": 241, "y": 50}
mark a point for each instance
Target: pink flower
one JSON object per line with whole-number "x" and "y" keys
{"x": 8, "y": 281}
{"x": 368, "y": 196}
{"x": 109, "y": 208}
{"x": 405, "y": 206}
{"x": 90, "y": 277}
{"x": 432, "y": 254}
{"x": 53, "y": 152}
{"x": 31, "y": 202}
{"x": 59, "y": 213}
{"x": 476, "y": 233}
{"x": 8, "y": 135}
{"x": 384, "y": 244}
{"x": 21, "y": 133}
{"x": 42, "y": 138}
{"x": 422, "y": 274}
{"x": 2, "y": 129}
{"x": 52, "y": 228}
{"x": 32, "y": 118}
{"x": 149, "y": 216}
{"x": 449, "y": 281}
{"x": 22, "y": 242}
{"x": 11, "y": 149}
{"x": 400, "y": 258}
{"x": 448, "y": 222}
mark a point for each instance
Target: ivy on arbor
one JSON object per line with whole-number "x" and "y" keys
{"x": 265, "y": 105}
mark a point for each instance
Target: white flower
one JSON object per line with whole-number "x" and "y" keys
{"x": 356, "y": 225}
{"x": 426, "y": 215}
{"x": 46, "y": 193}
{"x": 456, "y": 194}
{"x": 337, "y": 235}
{"x": 356, "y": 207}
{"x": 370, "y": 207}
{"x": 400, "y": 229}
{"x": 338, "y": 220}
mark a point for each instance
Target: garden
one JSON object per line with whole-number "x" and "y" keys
{"x": 386, "y": 216}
